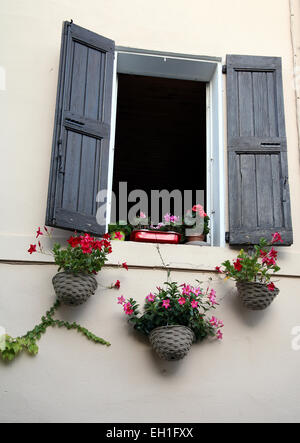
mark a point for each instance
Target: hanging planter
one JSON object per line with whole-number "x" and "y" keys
{"x": 255, "y": 296}
{"x": 74, "y": 289}
{"x": 80, "y": 261}
{"x": 252, "y": 270}
{"x": 174, "y": 318}
{"x": 172, "y": 342}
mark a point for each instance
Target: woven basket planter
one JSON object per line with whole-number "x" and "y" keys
{"x": 255, "y": 296}
{"x": 74, "y": 289}
{"x": 172, "y": 342}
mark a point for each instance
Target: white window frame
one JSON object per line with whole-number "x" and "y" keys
{"x": 188, "y": 67}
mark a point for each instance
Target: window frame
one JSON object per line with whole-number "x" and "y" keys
{"x": 215, "y": 185}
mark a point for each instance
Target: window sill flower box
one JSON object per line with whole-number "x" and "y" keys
{"x": 148, "y": 236}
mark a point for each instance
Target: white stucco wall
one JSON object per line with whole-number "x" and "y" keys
{"x": 253, "y": 374}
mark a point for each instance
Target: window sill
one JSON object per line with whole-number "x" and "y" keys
{"x": 182, "y": 257}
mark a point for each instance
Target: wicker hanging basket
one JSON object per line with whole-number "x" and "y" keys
{"x": 255, "y": 296}
{"x": 74, "y": 289}
{"x": 172, "y": 342}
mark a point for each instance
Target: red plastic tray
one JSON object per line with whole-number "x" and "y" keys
{"x": 143, "y": 235}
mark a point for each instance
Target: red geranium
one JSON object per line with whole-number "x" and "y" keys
{"x": 237, "y": 264}
{"x": 32, "y": 249}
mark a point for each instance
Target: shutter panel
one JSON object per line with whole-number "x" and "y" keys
{"x": 259, "y": 198}
{"x": 79, "y": 165}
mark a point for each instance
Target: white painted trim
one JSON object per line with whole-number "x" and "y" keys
{"x": 209, "y": 183}
{"x": 112, "y": 140}
{"x": 221, "y": 190}
{"x": 211, "y": 131}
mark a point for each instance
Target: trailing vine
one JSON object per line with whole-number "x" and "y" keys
{"x": 27, "y": 342}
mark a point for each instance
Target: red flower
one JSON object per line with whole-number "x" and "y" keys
{"x": 276, "y": 237}
{"x": 124, "y": 265}
{"x": 74, "y": 241}
{"x": 237, "y": 265}
{"x": 117, "y": 284}
{"x": 97, "y": 244}
{"x": 262, "y": 253}
{"x": 86, "y": 249}
{"x": 273, "y": 253}
{"x": 38, "y": 232}
{"x": 269, "y": 261}
{"x": 271, "y": 286}
{"x": 106, "y": 236}
{"x": 218, "y": 269}
{"x": 32, "y": 249}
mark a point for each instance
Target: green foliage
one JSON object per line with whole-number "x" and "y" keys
{"x": 257, "y": 265}
{"x": 83, "y": 254}
{"x": 191, "y": 313}
{"x": 120, "y": 227}
{"x": 13, "y": 346}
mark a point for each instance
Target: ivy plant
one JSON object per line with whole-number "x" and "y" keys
{"x": 28, "y": 342}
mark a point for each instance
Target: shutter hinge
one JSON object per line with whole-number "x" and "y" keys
{"x": 60, "y": 157}
{"x": 224, "y": 69}
{"x": 227, "y": 237}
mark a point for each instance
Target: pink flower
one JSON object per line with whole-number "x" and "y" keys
{"x": 118, "y": 236}
{"x": 194, "y": 303}
{"x": 121, "y": 300}
{"x": 276, "y": 237}
{"x": 150, "y": 297}
{"x": 212, "y": 297}
{"x": 127, "y": 308}
{"x": 186, "y": 290}
{"x": 142, "y": 215}
{"x": 166, "y": 303}
{"x": 216, "y": 323}
{"x": 199, "y": 209}
{"x": 32, "y": 249}
{"x": 182, "y": 300}
{"x": 271, "y": 286}
{"x": 219, "y": 335}
{"x": 38, "y": 232}
{"x": 171, "y": 218}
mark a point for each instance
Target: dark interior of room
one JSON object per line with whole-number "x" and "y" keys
{"x": 160, "y": 138}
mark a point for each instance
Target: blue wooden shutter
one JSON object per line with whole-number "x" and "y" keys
{"x": 79, "y": 165}
{"x": 259, "y": 197}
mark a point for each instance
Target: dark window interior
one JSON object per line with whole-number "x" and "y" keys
{"x": 160, "y": 138}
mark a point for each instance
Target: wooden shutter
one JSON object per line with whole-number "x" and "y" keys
{"x": 259, "y": 198}
{"x": 79, "y": 165}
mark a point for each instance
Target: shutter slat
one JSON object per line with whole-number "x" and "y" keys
{"x": 259, "y": 199}
{"x": 79, "y": 168}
